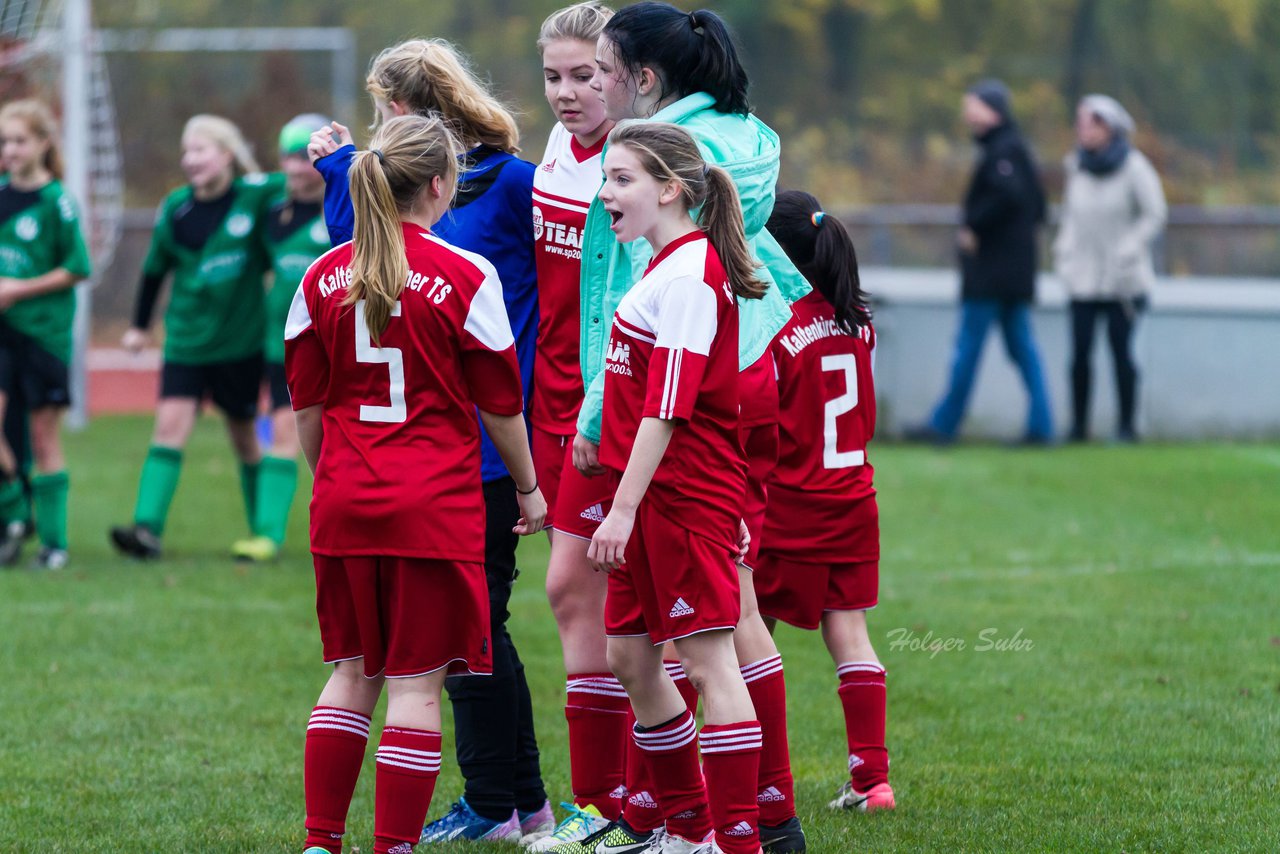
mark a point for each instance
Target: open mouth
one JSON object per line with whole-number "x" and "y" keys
{"x": 614, "y": 216}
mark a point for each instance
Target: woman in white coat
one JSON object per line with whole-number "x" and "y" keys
{"x": 1113, "y": 208}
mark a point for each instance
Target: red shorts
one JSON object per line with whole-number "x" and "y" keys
{"x": 761, "y": 445}
{"x": 404, "y": 616}
{"x": 551, "y": 452}
{"x": 583, "y": 501}
{"x": 675, "y": 583}
{"x": 798, "y": 593}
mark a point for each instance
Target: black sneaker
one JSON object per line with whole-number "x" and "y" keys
{"x": 11, "y": 540}
{"x": 782, "y": 838}
{"x": 136, "y": 541}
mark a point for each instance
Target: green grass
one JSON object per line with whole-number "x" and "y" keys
{"x": 162, "y": 707}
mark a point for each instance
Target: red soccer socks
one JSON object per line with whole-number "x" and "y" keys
{"x": 336, "y": 740}
{"x": 730, "y": 761}
{"x": 862, "y": 693}
{"x": 598, "y": 713}
{"x": 408, "y": 765}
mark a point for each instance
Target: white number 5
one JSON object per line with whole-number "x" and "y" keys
{"x": 832, "y": 458}
{"x": 368, "y": 354}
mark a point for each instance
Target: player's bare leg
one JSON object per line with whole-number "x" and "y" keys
{"x": 862, "y": 694}
{"x": 576, "y": 593}
{"x": 175, "y": 419}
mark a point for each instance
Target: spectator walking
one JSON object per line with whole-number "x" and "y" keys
{"x": 1112, "y": 210}
{"x": 1003, "y": 207}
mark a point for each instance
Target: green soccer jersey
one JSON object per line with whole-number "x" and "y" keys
{"x": 295, "y": 236}
{"x": 215, "y": 310}
{"x": 40, "y": 232}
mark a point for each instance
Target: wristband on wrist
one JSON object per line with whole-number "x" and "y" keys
{"x": 530, "y": 491}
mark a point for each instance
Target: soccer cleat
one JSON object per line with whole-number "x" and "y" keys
{"x": 15, "y": 534}
{"x": 316, "y": 849}
{"x": 537, "y": 824}
{"x": 666, "y": 843}
{"x": 616, "y": 837}
{"x": 578, "y": 825}
{"x": 462, "y": 823}
{"x": 256, "y": 549}
{"x": 878, "y": 797}
{"x": 50, "y": 558}
{"x": 785, "y": 838}
{"x": 136, "y": 541}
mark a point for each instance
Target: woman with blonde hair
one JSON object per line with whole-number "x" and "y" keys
{"x": 1112, "y": 211}
{"x": 496, "y": 744}
{"x": 43, "y": 256}
{"x": 207, "y": 235}
{"x": 386, "y": 410}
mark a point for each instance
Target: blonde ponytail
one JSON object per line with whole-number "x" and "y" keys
{"x": 430, "y": 75}
{"x": 668, "y": 153}
{"x": 404, "y": 156}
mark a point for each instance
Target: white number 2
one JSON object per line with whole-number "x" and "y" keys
{"x": 832, "y": 458}
{"x": 368, "y": 354}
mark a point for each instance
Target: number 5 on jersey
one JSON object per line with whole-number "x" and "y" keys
{"x": 832, "y": 458}
{"x": 366, "y": 353}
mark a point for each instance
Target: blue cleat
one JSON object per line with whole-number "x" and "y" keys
{"x": 462, "y": 823}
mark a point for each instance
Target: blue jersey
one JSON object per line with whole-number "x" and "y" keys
{"x": 492, "y": 215}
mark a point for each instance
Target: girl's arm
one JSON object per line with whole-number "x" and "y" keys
{"x": 310, "y": 423}
{"x": 17, "y": 290}
{"x": 510, "y": 437}
{"x": 607, "y": 546}
{"x": 331, "y": 153}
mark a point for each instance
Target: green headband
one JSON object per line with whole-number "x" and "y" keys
{"x": 295, "y": 138}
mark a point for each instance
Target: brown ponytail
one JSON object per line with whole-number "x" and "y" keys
{"x": 669, "y": 153}
{"x": 404, "y": 156}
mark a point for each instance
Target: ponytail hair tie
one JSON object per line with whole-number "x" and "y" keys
{"x": 693, "y": 20}
{"x": 817, "y": 218}
{"x": 378, "y": 152}
{"x": 706, "y": 171}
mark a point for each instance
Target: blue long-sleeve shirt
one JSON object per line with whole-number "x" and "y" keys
{"x": 492, "y": 215}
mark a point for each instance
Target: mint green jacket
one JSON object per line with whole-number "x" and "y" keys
{"x": 748, "y": 149}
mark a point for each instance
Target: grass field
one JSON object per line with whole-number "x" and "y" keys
{"x": 1118, "y": 687}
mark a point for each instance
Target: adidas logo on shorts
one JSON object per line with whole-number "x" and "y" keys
{"x": 770, "y": 795}
{"x": 618, "y": 793}
{"x": 594, "y": 513}
{"x": 855, "y": 761}
{"x": 680, "y": 609}
{"x": 740, "y": 829}
{"x": 644, "y": 800}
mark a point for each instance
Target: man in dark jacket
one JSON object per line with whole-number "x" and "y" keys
{"x": 1003, "y": 208}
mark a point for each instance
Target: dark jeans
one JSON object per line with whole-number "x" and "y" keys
{"x": 976, "y": 317}
{"x": 493, "y": 715}
{"x": 1122, "y": 317}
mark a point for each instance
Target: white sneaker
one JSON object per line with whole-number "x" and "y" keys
{"x": 666, "y": 843}
{"x": 577, "y": 826}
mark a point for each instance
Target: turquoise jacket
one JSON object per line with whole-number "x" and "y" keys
{"x": 748, "y": 149}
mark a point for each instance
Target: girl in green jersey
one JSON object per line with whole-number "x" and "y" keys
{"x": 42, "y": 255}
{"x": 207, "y": 238}
{"x": 294, "y": 235}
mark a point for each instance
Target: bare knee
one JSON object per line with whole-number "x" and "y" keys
{"x": 46, "y": 441}
{"x": 175, "y": 419}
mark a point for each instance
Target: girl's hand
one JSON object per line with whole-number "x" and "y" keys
{"x": 328, "y": 140}
{"x": 744, "y": 540}
{"x": 586, "y": 456}
{"x": 135, "y": 340}
{"x": 533, "y": 513}
{"x": 606, "y": 552}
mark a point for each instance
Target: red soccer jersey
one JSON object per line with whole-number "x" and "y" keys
{"x": 827, "y": 416}
{"x": 399, "y": 469}
{"x": 563, "y": 187}
{"x": 673, "y": 354}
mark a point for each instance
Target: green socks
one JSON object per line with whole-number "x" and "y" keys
{"x": 155, "y": 491}
{"x": 277, "y": 482}
{"x": 49, "y": 492}
{"x": 249, "y": 488}
{"x": 13, "y": 501}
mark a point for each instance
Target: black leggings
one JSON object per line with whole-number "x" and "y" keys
{"x": 493, "y": 715}
{"x": 1122, "y": 317}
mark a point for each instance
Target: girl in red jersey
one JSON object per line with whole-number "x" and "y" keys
{"x": 393, "y": 342}
{"x": 670, "y": 540}
{"x": 819, "y": 558}
{"x": 596, "y": 706}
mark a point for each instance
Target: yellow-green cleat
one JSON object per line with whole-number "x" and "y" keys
{"x": 256, "y": 549}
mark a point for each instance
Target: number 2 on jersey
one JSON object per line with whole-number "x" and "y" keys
{"x": 368, "y": 354}
{"x": 837, "y": 406}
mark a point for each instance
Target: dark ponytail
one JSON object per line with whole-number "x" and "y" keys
{"x": 690, "y": 52}
{"x": 822, "y": 250}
